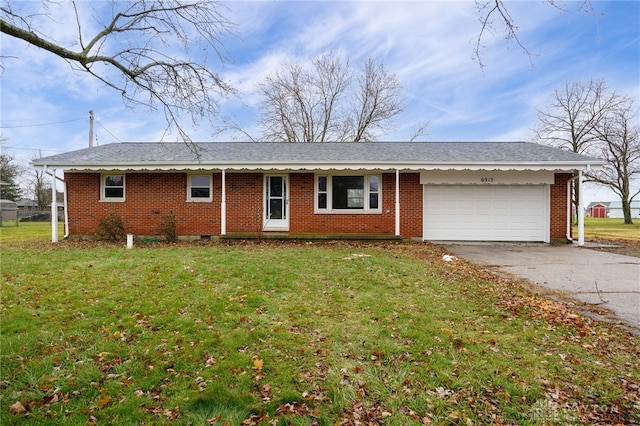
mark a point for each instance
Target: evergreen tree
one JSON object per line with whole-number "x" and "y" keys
{"x": 9, "y": 172}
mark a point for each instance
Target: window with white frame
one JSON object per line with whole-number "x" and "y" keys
{"x": 199, "y": 188}
{"x": 112, "y": 187}
{"x": 348, "y": 193}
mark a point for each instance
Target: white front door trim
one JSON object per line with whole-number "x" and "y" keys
{"x": 276, "y": 203}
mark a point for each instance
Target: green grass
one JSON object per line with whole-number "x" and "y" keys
{"x": 28, "y": 231}
{"x": 610, "y": 228}
{"x": 332, "y": 333}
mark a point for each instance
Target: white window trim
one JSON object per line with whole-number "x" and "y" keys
{"x": 103, "y": 197}
{"x": 329, "y": 192}
{"x": 199, "y": 199}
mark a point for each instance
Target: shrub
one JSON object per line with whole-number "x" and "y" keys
{"x": 167, "y": 227}
{"x": 111, "y": 227}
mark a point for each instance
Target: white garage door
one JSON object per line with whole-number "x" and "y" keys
{"x": 486, "y": 213}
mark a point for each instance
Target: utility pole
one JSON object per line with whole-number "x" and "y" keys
{"x": 90, "y": 128}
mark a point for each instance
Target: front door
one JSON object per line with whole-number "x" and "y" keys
{"x": 276, "y": 206}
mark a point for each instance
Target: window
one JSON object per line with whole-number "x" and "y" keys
{"x": 348, "y": 193}
{"x": 199, "y": 188}
{"x": 374, "y": 192}
{"x": 112, "y": 188}
{"x": 322, "y": 192}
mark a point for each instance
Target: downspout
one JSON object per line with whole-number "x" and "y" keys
{"x": 66, "y": 210}
{"x": 397, "y": 202}
{"x": 581, "y": 209}
{"x": 65, "y": 205}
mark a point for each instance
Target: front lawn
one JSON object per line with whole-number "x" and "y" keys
{"x": 607, "y": 228}
{"x": 270, "y": 333}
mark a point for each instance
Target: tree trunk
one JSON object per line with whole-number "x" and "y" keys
{"x": 575, "y": 198}
{"x": 626, "y": 211}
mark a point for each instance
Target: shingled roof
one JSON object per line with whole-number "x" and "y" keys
{"x": 309, "y": 156}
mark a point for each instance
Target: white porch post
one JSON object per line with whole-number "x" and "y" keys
{"x": 54, "y": 209}
{"x": 223, "y": 205}
{"x": 580, "y": 211}
{"x": 397, "y": 202}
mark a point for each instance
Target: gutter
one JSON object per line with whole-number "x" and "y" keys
{"x": 390, "y": 166}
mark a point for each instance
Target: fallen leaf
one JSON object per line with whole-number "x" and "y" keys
{"x": 17, "y": 408}
{"x": 104, "y": 401}
{"x": 258, "y": 363}
{"x": 214, "y": 420}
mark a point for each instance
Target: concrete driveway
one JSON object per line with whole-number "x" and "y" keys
{"x": 611, "y": 281}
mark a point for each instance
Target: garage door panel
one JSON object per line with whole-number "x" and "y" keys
{"x": 486, "y": 213}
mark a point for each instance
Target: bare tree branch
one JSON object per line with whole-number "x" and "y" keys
{"x": 494, "y": 15}
{"x": 134, "y": 48}
{"x": 377, "y": 101}
{"x": 420, "y": 130}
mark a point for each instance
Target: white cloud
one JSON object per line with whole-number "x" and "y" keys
{"x": 428, "y": 44}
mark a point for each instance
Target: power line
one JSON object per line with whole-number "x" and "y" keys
{"x": 41, "y": 124}
{"x": 107, "y": 130}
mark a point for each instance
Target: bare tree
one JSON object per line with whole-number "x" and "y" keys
{"x": 574, "y": 114}
{"x": 141, "y": 50}
{"x": 39, "y": 185}
{"x": 323, "y": 103}
{"x": 620, "y": 147}
{"x": 377, "y": 100}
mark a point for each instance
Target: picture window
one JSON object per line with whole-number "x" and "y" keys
{"x": 348, "y": 193}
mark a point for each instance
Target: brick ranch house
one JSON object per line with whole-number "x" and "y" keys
{"x": 468, "y": 191}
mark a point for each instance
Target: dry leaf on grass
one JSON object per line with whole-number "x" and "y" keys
{"x": 17, "y": 409}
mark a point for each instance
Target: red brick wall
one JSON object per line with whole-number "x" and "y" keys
{"x": 558, "y": 207}
{"x": 244, "y": 201}
{"x": 149, "y": 197}
{"x": 303, "y": 218}
{"x": 411, "y": 205}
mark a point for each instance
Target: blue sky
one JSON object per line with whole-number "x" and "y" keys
{"x": 428, "y": 45}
